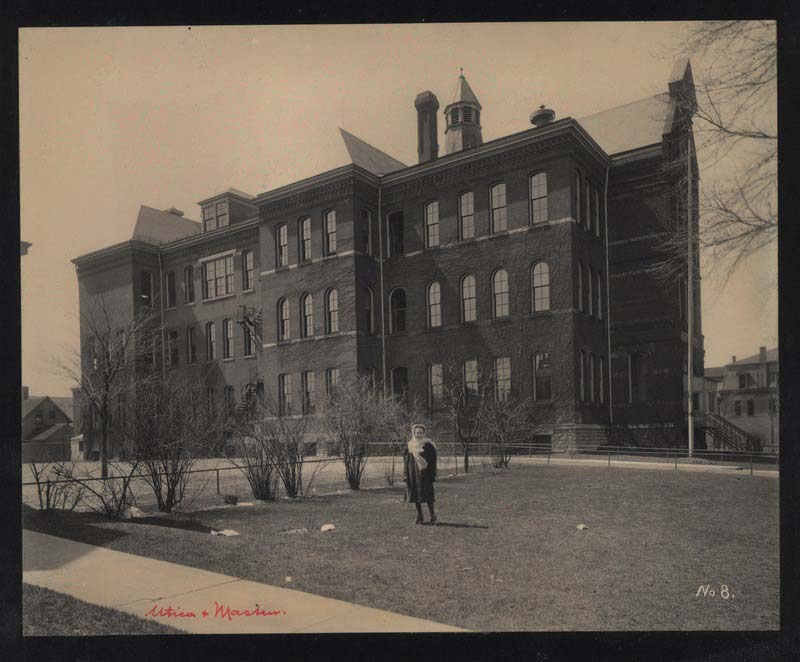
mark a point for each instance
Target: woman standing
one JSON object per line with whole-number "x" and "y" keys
{"x": 419, "y": 460}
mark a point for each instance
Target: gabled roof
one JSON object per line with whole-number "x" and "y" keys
{"x": 48, "y": 432}
{"x": 31, "y": 403}
{"x": 633, "y": 125}
{"x": 368, "y": 157}
{"x": 64, "y": 404}
{"x": 464, "y": 93}
{"x": 160, "y": 227}
{"x": 772, "y": 355}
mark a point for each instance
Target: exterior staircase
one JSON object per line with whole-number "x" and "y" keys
{"x": 726, "y": 434}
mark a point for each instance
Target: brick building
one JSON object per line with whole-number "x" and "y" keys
{"x": 495, "y": 257}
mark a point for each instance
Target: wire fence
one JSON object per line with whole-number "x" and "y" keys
{"x": 210, "y": 478}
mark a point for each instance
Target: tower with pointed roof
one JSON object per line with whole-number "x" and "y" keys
{"x": 463, "y": 119}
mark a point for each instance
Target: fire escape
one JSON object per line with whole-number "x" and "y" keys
{"x": 251, "y": 320}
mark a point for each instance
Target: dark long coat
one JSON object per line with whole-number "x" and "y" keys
{"x": 420, "y": 483}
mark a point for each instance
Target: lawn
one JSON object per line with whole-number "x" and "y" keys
{"x": 47, "y": 613}
{"x": 507, "y": 554}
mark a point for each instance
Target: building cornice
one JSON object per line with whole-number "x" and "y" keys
{"x": 115, "y": 250}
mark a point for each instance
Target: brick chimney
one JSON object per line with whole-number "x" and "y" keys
{"x": 427, "y": 105}
{"x": 25, "y": 393}
{"x": 762, "y": 354}
{"x": 733, "y": 359}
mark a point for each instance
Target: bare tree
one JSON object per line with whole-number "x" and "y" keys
{"x": 114, "y": 344}
{"x": 507, "y": 423}
{"x": 397, "y": 419}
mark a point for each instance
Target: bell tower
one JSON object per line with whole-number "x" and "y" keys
{"x": 463, "y": 119}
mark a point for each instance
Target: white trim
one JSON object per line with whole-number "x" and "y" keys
{"x": 305, "y": 263}
{"x": 208, "y": 258}
{"x": 308, "y": 338}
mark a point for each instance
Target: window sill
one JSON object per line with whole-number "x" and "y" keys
{"x": 501, "y": 320}
{"x": 539, "y": 225}
{"x": 249, "y": 356}
{"x": 168, "y": 308}
{"x": 223, "y": 296}
{"x": 283, "y": 267}
{"x": 540, "y": 313}
{"x": 249, "y": 291}
{"x": 189, "y": 303}
{"x": 229, "y": 359}
{"x": 499, "y": 233}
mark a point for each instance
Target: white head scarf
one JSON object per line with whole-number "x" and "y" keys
{"x": 415, "y": 447}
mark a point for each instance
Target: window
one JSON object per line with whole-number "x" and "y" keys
{"x": 230, "y": 401}
{"x": 170, "y": 278}
{"x": 498, "y": 198}
{"x": 283, "y": 320}
{"x": 466, "y": 211}
{"x": 540, "y": 284}
{"x": 210, "y": 403}
{"x": 502, "y": 377}
{"x": 467, "y": 113}
{"x": 209, "y": 219}
{"x": 191, "y": 345}
{"x": 596, "y": 213}
{"x": 538, "y": 185}
{"x": 591, "y": 378}
{"x": 248, "y": 271}
{"x": 366, "y": 231}
{"x": 601, "y": 391}
{"x": 397, "y": 307}
{"x": 751, "y": 407}
{"x": 577, "y": 200}
{"x": 542, "y": 377}
{"x": 305, "y": 239}
{"x": 188, "y": 285}
{"x": 500, "y": 293}
{"x": 331, "y": 380}
{"x": 471, "y": 377}
{"x": 218, "y": 277}
{"x": 222, "y": 214}
{"x": 772, "y": 377}
{"x": 434, "y": 305}
{"x": 395, "y": 232}
{"x": 580, "y": 286}
{"x": 468, "y": 299}
{"x": 637, "y": 382}
{"x": 227, "y": 338}
{"x": 330, "y": 232}
{"x": 282, "y": 256}
{"x": 215, "y": 216}
{"x": 399, "y": 377}
{"x": 307, "y": 382}
{"x": 737, "y": 408}
{"x": 306, "y": 316}
{"x": 432, "y": 224}
{"x": 146, "y": 293}
{"x": 284, "y": 394}
{"x": 369, "y": 317}
{"x": 581, "y": 376}
{"x": 331, "y": 311}
{"x": 587, "y": 204}
{"x": 598, "y": 292}
{"x": 435, "y": 386}
{"x": 249, "y": 345}
{"x": 454, "y": 118}
{"x": 590, "y": 295}
{"x": 742, "y": 380}
{"x": 211, "y": 341}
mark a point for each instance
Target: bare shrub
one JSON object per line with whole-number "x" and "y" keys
{"x": 58, "y": 493}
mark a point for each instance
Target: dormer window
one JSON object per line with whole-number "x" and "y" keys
{"x": 215, "y": 216}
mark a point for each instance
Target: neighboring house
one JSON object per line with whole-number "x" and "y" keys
{"x": 747, "y": 395}
{"x": 495, "y": 256}
{"x": 46, "y": 429}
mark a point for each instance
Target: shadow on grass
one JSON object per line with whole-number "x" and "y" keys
{"x": 177, "y": 523}
{"x": 456, "y": 525}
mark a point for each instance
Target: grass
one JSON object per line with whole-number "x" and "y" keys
{"x": 507, "y": 555}
{"x": 47, "y": 613}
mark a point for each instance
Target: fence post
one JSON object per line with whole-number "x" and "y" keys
{"x": 217, "y": 481}
{"x": 751, "y": 464}
{"x": 609, "y": 459}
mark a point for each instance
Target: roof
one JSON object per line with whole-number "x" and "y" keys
{"x": 464, "y": 93}
{"x": 368, "y": 157}
{"x": 772, "y": 355}
{"x": 160, "y": 227}
{"x": 48, "y": 432}
{"x": 714, "y": 373}
{"x": 632, "y": 125}
{"x": 64, "y": 404}
{"x": 31, "y": 403}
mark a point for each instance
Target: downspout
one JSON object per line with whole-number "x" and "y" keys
{"x": 608, "y": 305}
{"x": 380, "y": 266}
{"x": 161, "y": 314}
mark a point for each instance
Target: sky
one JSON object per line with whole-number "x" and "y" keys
{"x": 115, "y": 118}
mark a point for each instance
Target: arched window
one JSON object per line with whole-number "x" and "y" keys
{"x": 469, "y": 307}
{"x": 434, "y": 305}
{"x": 500, "y": 293}
{"x": 497, "y": 195}
{"x": 188, "y": 285}
{"x": 432, "y": 224}
{"x": 577, "y": 197}
{"x": 282, "y": 257}
{"x": 435, "y": 386}
{"x": 305, "y": 239}
{"x": 502, "y": 377}
{"x": 399, "y": 376}
{"x": 330, "y": 232}
{"x": 332, "y": 311}
{"x": 227, "y": 338}
{"x": 248, "y": 271}
{"x": 590, "y": 286}
{"x": 580, "y": 286}
{"x": 466, "y": 211}
{"x": 540, "y": 284}
{"x": 284, "y": 394}
{"x": 211, "y": 341}
{"x": 366, "y": 231}
{"x": 538, "y": 190}
{"x": 306, "y": 316}
{"x": 283, "y": 319}
{"x": 368, "y": 310}
{"x": 397, "y": 307}
{"x": 542, "y": 377}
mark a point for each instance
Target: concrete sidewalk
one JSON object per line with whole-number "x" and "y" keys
{"x": 147, "y": 588}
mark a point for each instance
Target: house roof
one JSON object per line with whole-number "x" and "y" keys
{"x": 31, "y": 403}
{"x": 160, "y": 227}
{"x": 48, "y": 432}
{"x": 632, "y": 125}
{"x": 368, "y": 157}
{"x": 714, "y": 373}
{"x": 63, "y": 403}
{"x": 772, "y": 355}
